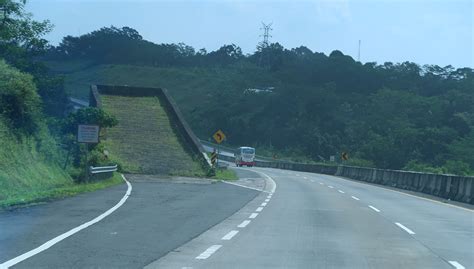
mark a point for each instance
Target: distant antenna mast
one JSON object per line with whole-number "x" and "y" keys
{"x": 358, "y": 55}
{"x": 266, "y": 34}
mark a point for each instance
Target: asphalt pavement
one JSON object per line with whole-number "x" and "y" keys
{"x": 319, "y": 221}
{"x": 269, "y": 218}
{"x": 159, "y": 216}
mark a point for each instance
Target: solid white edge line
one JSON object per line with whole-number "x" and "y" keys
{"x": 374, "y": 208}
{"x": 259, "y": 209}
{"x": 244, "y": 223}
{"x": 230, "y": 234}
{"x": 67, "y": 234}
{"x": 355, "y": 198}
{"x": 253, "y": 215}
{"x": 404, "y": 228}
{"x": 457, "y": 265}
{"x": 208, "y": 252}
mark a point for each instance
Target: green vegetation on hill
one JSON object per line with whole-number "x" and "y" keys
{"x": 297, "y": 101}
{"x": 144, "y": 140}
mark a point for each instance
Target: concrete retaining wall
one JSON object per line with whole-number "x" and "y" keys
{"x": 457, "y": 188}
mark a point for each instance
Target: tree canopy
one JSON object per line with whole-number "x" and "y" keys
{"x": 392, "y": 115}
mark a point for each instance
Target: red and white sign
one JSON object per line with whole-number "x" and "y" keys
{"x": 88, "y": 134}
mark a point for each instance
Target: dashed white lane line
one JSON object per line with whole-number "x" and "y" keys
{"x": 269, "y": 196}
{"x": 305, "y": 177}
{"x": 404, "y": 228}
{"x": 67, "y": 234}
{"x": 230, "y": 234}
{"x": 267, "y": 200}
{"x": 253, "y": 215}
{"x": 355, "y": 198}
{"x": 320, "y": 183}
{"x": 340, "y": 191}
{"x": 457, "y": 265}
{"x": 264, "y": 204}
{"x": 208, "y": 252}
{"x": 374, "y": 208}
{"x": 312, "y": 180}
{"x": 259, "y": 209}
{"x": 244, "y": 223}
{"x": 331, "y": 187}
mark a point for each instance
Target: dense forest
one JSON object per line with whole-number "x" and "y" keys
{"x": 300, "y": 102}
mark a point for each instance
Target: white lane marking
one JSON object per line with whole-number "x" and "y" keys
{"x": 312, "y": 180}
{"x": 321, "y": 183}
{"x": 457, "y": 265}
{"x": 267, "y": 200}
{"x": 269, "y": 196}
{"x": 253, "y": 215}
{"x": 67, "y": 234}
{"x": 331, "y": 187}
{"x": 259, "y": 209}
{"x": 355, "y": 198}
{"x": 404, "y": 228}
{"x": 263, "y": 204}
{"x": 340, "y": 191}
{"x": 305, "y": 177}
{"x": 243, "y": 186}
{"x": 274, "y": 185}
{"x": 230, "y": 234}
{"x": 208, "y": 252}
{"x": 375, "y": 209}
{"x": 244, "y": 223}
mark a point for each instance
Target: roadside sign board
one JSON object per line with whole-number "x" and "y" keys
{"x": 88, "y": 133}
{"x": 332, "y": 158}
{"x": 219, "y": 136}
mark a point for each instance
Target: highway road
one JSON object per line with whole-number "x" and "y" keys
{"x": 319, "y": 221}
{"x": 268, "y": 219}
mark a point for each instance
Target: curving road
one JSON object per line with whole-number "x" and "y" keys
{"x": 319, "y": 221}
{"x": 269, "y": 218}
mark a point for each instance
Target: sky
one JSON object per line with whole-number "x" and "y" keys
{"x": 422, "y": 31}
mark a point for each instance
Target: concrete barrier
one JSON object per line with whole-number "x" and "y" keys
{"x": 457, "y": 188}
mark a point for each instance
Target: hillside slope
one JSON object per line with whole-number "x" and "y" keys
{"x": 144, "y": 140}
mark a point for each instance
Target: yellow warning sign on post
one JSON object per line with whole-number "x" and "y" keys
{"x": 345, "y": 156}
{"x": 219, "y": 136}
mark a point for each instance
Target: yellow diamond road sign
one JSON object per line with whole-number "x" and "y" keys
{"x": 219, "y": 136}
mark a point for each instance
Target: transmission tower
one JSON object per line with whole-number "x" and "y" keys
{"x": 266, "y": 34}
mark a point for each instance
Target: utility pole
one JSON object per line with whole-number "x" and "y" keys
{"x": 358, "y": 55}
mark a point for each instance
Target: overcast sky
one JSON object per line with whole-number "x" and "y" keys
{"x": 422, "y": 31}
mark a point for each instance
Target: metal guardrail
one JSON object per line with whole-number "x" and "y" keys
{"x": 102, "y": 169}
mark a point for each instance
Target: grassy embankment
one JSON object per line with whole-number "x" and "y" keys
{"x": 28, "y": 175}
{"x": 146, "y": 142}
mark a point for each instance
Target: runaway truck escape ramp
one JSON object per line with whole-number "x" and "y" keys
{"x": 186, "y": 137}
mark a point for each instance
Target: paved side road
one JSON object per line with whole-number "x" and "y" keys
{"x": 159, "y": 216}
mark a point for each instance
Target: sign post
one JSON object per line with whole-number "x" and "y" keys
{"x": 88, "y": 134}
{"x": 218, "y": 136}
